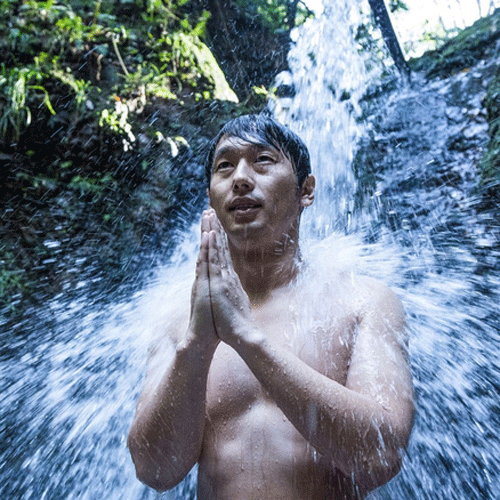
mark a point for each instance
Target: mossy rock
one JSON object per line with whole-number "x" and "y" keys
{"x": 490, "y": 163}
{"x": 462, "y": 51}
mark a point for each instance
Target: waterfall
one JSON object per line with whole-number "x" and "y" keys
{"x": 421, "y": 232}
{"x": 328, "y": 77}
{"x": 68, "y": 394}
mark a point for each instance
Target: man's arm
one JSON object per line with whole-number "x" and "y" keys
{"x": 361, "y": 427}
{"x": 166, "y": 435}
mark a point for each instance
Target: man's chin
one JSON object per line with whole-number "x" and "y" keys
{"x": 246, "y": 231}
{"x": 243, "y": 229}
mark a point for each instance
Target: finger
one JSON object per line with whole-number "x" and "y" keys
{"x": 216, "y": 229}
{"x": 214, "y": 269}
{"x": 222, "y": 245}
{"x": 201, "y": 282}
{"x": 202, "y": 261}
{"x": 225, "y": 248}
{"x": 216, "y": 226}
{"x": 213, "y": 254}
{"x": 212, "y": 219}
{"x": 218, "y": 239}
{"x": 205, "y": 221}
{"x": 226, "y": 264}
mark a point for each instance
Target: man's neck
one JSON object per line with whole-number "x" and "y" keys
{"x": 262, "y": 270}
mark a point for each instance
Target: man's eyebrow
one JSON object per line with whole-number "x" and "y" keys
{"x": 229, "y": 149}
{"x": 222, "y": 151}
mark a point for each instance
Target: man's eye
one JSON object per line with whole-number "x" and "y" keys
{"x": 223, "y": 165}
{"x": 265, "y": 159}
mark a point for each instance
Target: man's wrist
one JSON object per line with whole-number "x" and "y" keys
{"x": 247, "y": 339}
{"x": 198, "y": 346}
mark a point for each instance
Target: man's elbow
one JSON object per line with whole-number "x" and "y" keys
{"x": 151, "y": 469}
{"x": 158, "y": 482}
{"x": 152, "y": 476}
{"x": 379, "y": 470}
{"x": 384, "y": 460}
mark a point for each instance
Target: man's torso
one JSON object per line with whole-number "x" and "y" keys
{"x": 251, "y": 450}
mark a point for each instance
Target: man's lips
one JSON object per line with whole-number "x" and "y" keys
{"x": 244, "y": 204}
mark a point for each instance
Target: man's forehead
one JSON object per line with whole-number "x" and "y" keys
{"x": 231, "y": 143}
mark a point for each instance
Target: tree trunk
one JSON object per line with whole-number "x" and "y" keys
{"x": 291, "y": 9}
{"x": 384, "y": 23}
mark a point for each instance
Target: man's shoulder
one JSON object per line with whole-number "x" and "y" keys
{"x": 377, "y": 295}
{"x": 339, "y": 261}
{"x": 328, "y": 280}
{"x": 359, "y": 293}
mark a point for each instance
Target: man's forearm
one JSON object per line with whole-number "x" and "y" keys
{"x": 354, "y": 431}
{"x": 166, "y": 436}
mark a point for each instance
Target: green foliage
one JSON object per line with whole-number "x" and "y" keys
{"x": 155, "y": 43}
{"x": 277, "y": 15}
{"x": 93, "y": 186}
{"x": 15, "y": 89}
{"x": 12, "y": 278}
{"x": 149, "y": 80}
{"x": 56, "y": 29}
{"x": 176, "y": 54}
{"x": 463, "y": 50}
{"x": 395, "y": 5}
{"x": 117, "y": 121}
{"x": 71, "y": 28}
{"x": 79, "y": 86}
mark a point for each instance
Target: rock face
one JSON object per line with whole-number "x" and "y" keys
{"x": 474, "y": 43}
{"x": 437, "y": 129}
{"x": 475, "y": 50}
{"x": 419, "y": 165}
{"x": 442, "y": 127}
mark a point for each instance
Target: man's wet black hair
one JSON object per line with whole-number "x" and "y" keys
{"x": 263, "y": 130}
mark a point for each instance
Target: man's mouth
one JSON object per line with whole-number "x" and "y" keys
{"x": 243, "y": 205}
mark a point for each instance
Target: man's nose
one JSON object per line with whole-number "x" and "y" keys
{"x": 243, "y": 177}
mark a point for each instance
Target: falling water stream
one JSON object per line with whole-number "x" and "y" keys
{"x": 69, "y": 379}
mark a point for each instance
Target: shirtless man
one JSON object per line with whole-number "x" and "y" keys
{"x": 282, "y": 383}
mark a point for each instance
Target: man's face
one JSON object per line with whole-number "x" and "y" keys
{"x": 253, "y": 190}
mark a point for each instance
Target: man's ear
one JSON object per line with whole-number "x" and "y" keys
{"x": 307, "y": 191}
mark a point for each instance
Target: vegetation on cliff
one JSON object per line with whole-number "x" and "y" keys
{"x": 478, "y": 42}
{"x": 101, "y": 104}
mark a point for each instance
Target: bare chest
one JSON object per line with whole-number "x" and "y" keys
{"x": 323, "y": 340}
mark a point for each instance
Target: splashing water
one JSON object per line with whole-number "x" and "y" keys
{"x": 329, "y": 77}
{"x": 420, "y": 232}
{"x": 69, "y": 385}
{"x": 448, "y": 277}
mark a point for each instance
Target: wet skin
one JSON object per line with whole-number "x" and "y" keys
{"x": 277, "y": 388}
